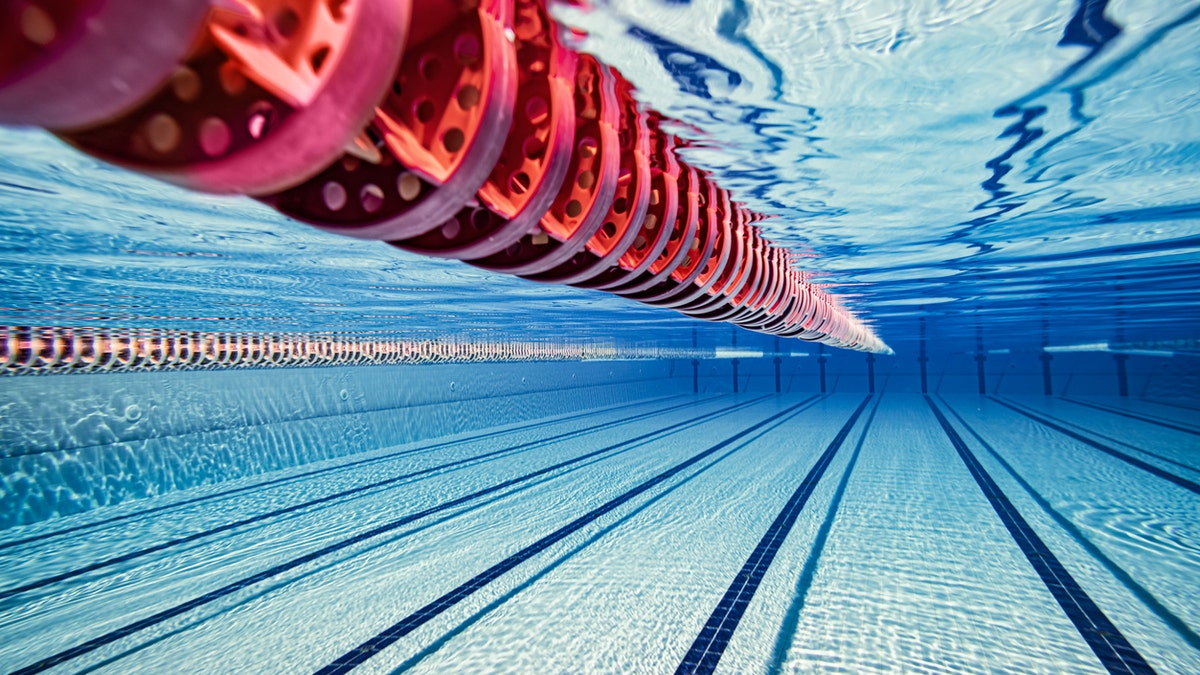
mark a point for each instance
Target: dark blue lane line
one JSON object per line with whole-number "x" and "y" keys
{"x": 360, "y": 490}
{"x": 216, "y": 594}
{"x": 1172, "y": 404}
{"x": 1133, "y": 416}
{"x": 1168, "y": 617}
{"x": 232, "y": 606}
{"x": 462, "y": 627}
{"x": 1106, "y": 640}
{"x": 710, "y": 644}
{"x": 791, "y": 619}
{"x": 1092, "y": 433}
{"x": 389, "y": 635}
{"x": 359, "y": 462}
{"x": 1145, "y": 466}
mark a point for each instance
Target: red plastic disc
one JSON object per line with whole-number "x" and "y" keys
{"x": 657, "y": 227}
{"x": 708, "y": 252}
{"x": 671, "y": 241}
{"x": 536, "y": 154}
{"x": 440, "y": 131}
{"x": 584, "y": 199}
{"x": 255, "y": 117}
{"x": 68, "y": 64}
{"x": 630, "y": 203}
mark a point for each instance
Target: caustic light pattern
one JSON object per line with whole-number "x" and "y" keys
{"x": 464, "y": 130}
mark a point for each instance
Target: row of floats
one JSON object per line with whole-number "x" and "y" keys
{"x": 459, "y": 129}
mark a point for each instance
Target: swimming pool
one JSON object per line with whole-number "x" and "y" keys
{"x": 470, "y": 472}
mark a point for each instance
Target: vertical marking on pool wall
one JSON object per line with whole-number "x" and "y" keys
{"x": 923, "y": 358}
{"x": 1047, "y": 379}
{"x": 821, "y": 361}
{"x": 1122, "y": 375}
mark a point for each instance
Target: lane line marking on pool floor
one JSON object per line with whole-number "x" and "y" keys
{"x": 710, "y": 644}
{"x": 1168, "y": 424}
{"x": 427, "y": 445}
{"x": 790, "y": 625}
{"x": 364, "y": 651}
{"x": 1105, "y": 639}
{"x": 1104, "y": 438}
{"x": 459, "y": 629}
{"x": 348, "y": 493}
{"x": 1079, "y": 537}
{"x": 1145, "y": 466}
{"x": 228, "y": 589}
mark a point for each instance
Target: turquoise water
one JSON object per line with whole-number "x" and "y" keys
{"x": 1006, "y": 191}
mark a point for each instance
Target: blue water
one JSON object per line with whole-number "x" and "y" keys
{"x": 978, "y": 180}
{"x": 965, "y": 162}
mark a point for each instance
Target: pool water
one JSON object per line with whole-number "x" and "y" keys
{"x": 558, "y": 481}
{"x": 602, "y": 541}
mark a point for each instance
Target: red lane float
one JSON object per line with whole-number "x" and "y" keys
{"x": 462, "y": 129}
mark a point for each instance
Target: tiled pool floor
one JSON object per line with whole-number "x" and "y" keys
{"x": 841, "y": 533}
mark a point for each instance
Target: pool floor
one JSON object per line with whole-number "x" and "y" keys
{"x": 736, "y": 534}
